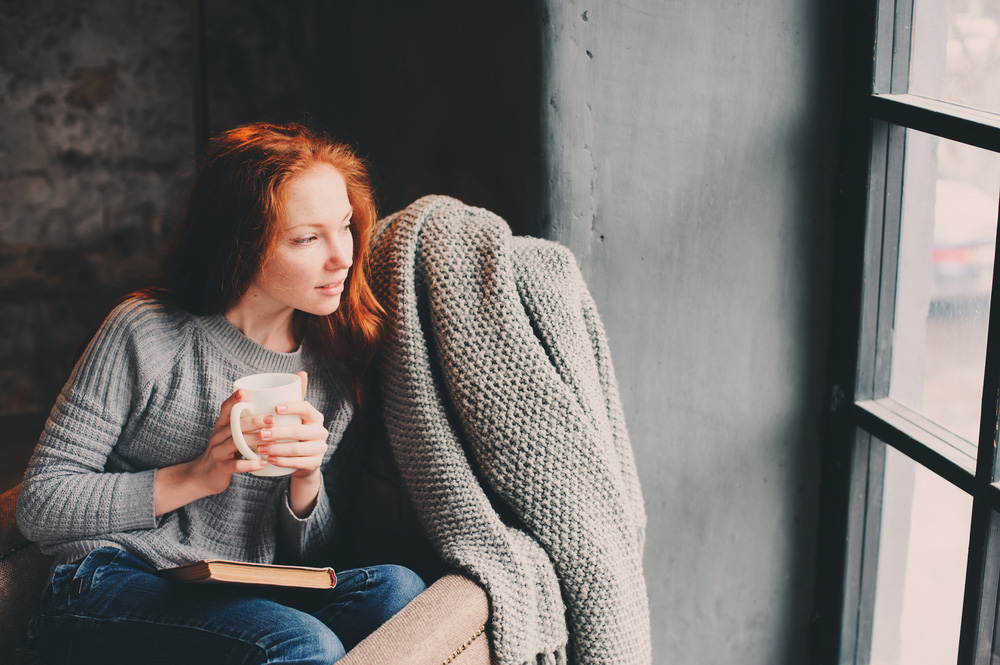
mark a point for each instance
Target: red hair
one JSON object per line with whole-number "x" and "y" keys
{"x": 232, "y": 221}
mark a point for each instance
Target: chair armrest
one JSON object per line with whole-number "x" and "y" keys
{"x": 24, "y": 570}
{"x": 444, "y": 624}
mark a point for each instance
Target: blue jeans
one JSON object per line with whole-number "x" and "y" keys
{"x": 112, "y": 607}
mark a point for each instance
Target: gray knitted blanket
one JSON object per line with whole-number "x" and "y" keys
{"x": 503, "y": 413}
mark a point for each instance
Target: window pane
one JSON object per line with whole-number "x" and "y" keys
{"x": 955, "y": 52}
{"x": 923, "y": 545}
{"x": 946, "y": 251}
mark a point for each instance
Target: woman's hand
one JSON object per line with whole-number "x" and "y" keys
{"x": 215, "y": 467}
{"x": 212, "y": 471}
{"x": 300, "y": 447}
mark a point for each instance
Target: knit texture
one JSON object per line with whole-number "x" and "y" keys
{"x": 504, "y": 415}
{"x": 145, "y": 395}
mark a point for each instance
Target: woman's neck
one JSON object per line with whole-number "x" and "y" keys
{"x": 271, "y": 329}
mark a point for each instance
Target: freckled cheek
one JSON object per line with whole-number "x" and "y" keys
{"x": 289, "y": 277}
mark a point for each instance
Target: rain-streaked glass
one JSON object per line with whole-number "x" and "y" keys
{"x": 946, "y": 250}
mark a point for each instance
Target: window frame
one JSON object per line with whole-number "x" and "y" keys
{"x": 877, "y": 112}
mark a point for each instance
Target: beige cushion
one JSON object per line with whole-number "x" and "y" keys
{"x": 444, "y": 624}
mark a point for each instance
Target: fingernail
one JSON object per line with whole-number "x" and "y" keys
{"x": 261, "y": 450}
{"x": 262, "y": 461}
{"x": 269, "y": 420}
{"x": 281, "y": 408}
{"x": 265, "y": 434}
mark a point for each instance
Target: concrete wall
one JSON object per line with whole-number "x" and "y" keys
{"x": 684, "y": 150}
{"x": 691, "y": 150}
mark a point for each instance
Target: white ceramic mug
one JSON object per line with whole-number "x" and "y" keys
{"x": 262, "y": 393}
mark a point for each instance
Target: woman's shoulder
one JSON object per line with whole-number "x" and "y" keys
{"x": 140, "y": 338}
{"x": 148, "y": 319}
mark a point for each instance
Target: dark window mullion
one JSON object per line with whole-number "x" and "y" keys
{"x": 892, "y": 208}
{"x": 890, "y": 72}
{"x": 873, "y": 248}
{"x": 981, "y": 597}
{"x": 861, "y": 561}
{"x": 987, "y": 470}
{"x": 912, "y": 434}
{"x": 874, "y": 486}
{"x": 947, "y": 120}
{"x": 978, "y": 639}
{"x": 901, "y": 41}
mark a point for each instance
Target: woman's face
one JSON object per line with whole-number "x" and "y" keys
{"x": 308, "y": 266}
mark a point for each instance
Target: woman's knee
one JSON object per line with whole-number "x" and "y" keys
{"x": 312, "y": 643}
{"x": 395, "y": 586}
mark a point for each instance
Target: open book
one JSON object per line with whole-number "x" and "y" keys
{"x": 219, "y": 571}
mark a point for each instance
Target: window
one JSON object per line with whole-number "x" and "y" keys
{"x": 910, "y": 555}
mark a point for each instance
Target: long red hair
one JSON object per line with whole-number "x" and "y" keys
{"x": 232, "y": 221}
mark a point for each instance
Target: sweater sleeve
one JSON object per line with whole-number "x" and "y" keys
{"x": 305, "y": 541}
{"x": 66, "y": 493}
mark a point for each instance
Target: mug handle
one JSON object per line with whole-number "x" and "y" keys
{"x": 234, "y": 427}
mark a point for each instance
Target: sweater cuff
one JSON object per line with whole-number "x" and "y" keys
{"x": 299, "y": 534}
{"x": 134, "y": 506}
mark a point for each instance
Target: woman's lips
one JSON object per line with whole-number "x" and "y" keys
{"x": 332, "y": 289}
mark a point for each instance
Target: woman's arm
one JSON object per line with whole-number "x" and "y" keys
{"x": 66, "y": 493}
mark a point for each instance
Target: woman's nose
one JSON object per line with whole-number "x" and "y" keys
{"x": 341, "y": 254}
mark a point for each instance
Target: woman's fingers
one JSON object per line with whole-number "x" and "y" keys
{"x": 302, "y": 408}
{"x": 227, "y": 406}
{"x": 314, "y": 448}
{"x": 296, "y": 454}
{"x": 309, "y": 462}
{"x": 222, "y": 422}
{"x": 253, "y": 424}
{"x": 247, "y": 465}
{"x": 303, "y": 432}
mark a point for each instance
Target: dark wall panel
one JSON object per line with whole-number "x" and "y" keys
{"x": 443, "y": 97}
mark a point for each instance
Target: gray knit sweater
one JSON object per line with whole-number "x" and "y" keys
{"x": 145, "y": 395}
{"x": 504, "y": 415}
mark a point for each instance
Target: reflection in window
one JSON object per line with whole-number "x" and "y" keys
{"x": 946, "y": 248}
{"x": 955, "y": 52}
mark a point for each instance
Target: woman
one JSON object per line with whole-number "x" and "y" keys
{"x": 136, "y": 469}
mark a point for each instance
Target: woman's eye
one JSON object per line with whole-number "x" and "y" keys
{"x": 305, "y": 240}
